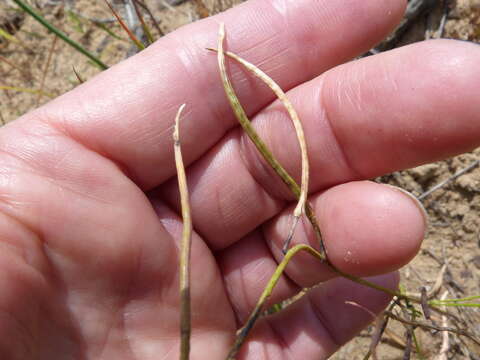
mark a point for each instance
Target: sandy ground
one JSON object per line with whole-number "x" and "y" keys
{"x": 454, "y": 210}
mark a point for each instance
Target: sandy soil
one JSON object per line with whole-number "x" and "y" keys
{"x": 454, "y": 210}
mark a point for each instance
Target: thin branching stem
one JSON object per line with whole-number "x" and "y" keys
{"x": 185, "y": 312}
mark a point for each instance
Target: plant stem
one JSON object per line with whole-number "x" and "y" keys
{"x": 185, "y": 312}
{"x": 29, "y": 10}
{"x": 259, "y": 143}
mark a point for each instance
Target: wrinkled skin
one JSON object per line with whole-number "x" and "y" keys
{"x": 89, "y": 223}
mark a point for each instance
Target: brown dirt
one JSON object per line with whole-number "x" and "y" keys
{"x": 454, "y": 210}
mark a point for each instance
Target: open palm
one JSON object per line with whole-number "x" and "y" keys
{"x": 89, "y": 224}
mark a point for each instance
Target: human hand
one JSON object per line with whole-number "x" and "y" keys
{"x": 88, "y": 212}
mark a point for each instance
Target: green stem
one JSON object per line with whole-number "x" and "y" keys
{"x": 29, "y": 10}
{"x": 257, "y": 311}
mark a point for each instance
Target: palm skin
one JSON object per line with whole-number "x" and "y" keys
{"x": 89, "y": 203}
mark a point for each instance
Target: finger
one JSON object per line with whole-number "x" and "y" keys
{"x": 318, "y": 324}
{"x": 396, "y": 110}
{"x": 127, "y": 112}
{"x": 368, "y": 229}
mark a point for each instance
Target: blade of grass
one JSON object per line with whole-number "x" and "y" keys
{"x": 104, "y": 27}
{"x": 14, "y": 40}
{"x": 8, "y": 36}
{"x": 475, "y": 305}
{"x": 26, "y": 90}
{"x": 261, "y": 146}
{"x": 45, "y": 70}
{"x": 185, "y": 312}
{"x": 131, "y": 35}
{"x": 29, "y": 10}
{"x": 469, "y": 298}
{"x": 77, "y": 21}
{"x": 145, "y": 27}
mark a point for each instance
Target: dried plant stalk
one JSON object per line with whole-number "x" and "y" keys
{"x": 425, "y": 325}
{"x": 300, "y": 208}
{"x": 442, "y": 355}
{"x": 185, "y": 313}
{"x": 300, "y": 192}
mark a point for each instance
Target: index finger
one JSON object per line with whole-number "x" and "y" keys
{"x": 126, "y": 113}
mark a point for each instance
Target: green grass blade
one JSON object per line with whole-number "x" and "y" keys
{"x": 469, "y": 298}
{"x": 104, "y": 27}
{"x": 29, "y": 10}
{"x": 26, "y": 90}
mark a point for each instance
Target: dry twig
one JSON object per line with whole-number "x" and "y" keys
{"x": 442, "y": 355}
{"x": 434, "y": 327}
{"x": 451, "y": 178}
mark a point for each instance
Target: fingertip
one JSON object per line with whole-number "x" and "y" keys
{"x": 370, "y": 228}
